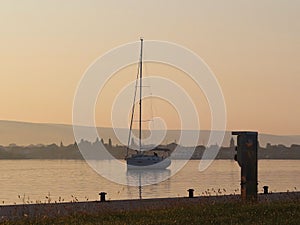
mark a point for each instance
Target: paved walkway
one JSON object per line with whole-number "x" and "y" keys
{"x": 9, "y": 212}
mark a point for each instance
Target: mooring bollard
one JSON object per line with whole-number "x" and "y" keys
{"x": 191, "y": 193}
{"x": 102, "y": 196}
{"x": 266, "y": 189}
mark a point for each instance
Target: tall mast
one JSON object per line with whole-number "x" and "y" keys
{"x": 141, "y": 75}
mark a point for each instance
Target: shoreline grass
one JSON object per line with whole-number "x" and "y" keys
{"x": 275, "y": 212}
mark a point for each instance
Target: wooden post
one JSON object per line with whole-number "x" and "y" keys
{"x": 247, "y": 159}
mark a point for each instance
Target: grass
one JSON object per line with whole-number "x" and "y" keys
{"x": 283, "y": 212}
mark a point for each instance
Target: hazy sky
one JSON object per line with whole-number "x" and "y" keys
{"x": 253, "y": 47}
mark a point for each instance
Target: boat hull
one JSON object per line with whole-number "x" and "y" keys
{"x": 147, "y": 162}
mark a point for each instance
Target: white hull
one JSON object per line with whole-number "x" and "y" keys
{"x": 147, "y": 162}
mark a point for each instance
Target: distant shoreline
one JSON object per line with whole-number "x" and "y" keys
{"x": 71, "y": 152}
{"x": 26, "y": 133}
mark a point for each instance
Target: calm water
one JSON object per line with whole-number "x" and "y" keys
{"x": 32, "y": 180}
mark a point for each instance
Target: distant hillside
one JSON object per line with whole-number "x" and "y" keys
{"x": 23, "y": 133}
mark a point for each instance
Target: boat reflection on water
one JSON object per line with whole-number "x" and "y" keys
{"x": 144, "y": 177}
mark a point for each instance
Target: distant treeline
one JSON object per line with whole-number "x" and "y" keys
{"x": 54, "y": 151}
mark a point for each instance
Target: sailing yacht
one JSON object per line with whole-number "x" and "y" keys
{"x": 141, "y": 159}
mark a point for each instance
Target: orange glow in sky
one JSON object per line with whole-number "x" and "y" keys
{"x": 252, "y": 47}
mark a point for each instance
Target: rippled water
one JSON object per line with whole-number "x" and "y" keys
{"x": 67, "y": 180}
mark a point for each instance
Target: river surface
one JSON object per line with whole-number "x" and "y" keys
{"x": 31, "y": 181}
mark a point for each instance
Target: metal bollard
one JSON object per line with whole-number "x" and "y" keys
{"x": 266, "y": 189}
{"x": 102, "y": 196}
{"x": 191, "y": 193}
